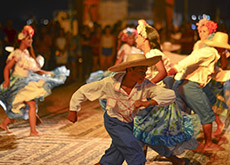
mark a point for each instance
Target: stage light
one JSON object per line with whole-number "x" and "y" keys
{"x": 193, "y": 17}
{"x": 29, "y": 21}
{"x": 193, "y": 27}
{"x": 45, "y": 21}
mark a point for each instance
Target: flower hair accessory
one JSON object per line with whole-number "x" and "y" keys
{"x": 212, "y": 26}
{"x": 141, "y": 29}
{"x": 126, "y": 33}
{"x": 26, "y": 31}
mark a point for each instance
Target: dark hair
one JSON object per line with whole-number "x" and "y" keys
{"x": 30, "y": 49}
{"x": 153, "y": 37}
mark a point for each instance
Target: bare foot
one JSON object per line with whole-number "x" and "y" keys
{"x": 5, "y": 128}
{"x": 213, "y": 147}
{"x": 36, "y": 134}
{"x": 219, "y": 130}
{"x": 221, "y": 140}
{"x": 199, "y": 148}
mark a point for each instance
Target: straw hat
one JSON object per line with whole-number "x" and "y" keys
{"x": 220, "y": 40}
{"x": 134, "y": 60}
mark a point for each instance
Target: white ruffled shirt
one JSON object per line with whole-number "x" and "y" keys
{"x": 24, "y": 62}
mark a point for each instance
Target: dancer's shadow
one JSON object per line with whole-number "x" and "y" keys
{"x": 8, "y": 142}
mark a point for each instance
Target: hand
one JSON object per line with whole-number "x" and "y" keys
{"x": 6, "y": 84}
{"x": 172, "y": 72}
{"x": 51, "y": 74}
{"x": 72, "y": 116}
{"x": 138, "y": 103}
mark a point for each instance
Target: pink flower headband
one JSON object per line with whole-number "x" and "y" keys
{"x": 141, "y": 28}
{"x": 212, "y": 26}
{"x": 27, "y": 30}
{"x": 126, "y": 33}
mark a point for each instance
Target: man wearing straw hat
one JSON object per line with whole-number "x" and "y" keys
{"x": 126, "y": 92}
{"x": 198, "y": 69}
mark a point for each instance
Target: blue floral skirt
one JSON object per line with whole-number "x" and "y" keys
{"x": 222, "y": 94}
{"x": 33, "y": 87}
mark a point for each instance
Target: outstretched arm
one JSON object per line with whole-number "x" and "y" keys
{"x": 91, "y": 91}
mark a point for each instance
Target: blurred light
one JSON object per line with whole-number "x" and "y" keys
{"x": 199, "y": 17}
{"x": 193, "y": 27}
{"x": 80, "y": 60}
{"x": 193, "y": 17}
{"x": 45, "y": 21}
{"x": 208, "y": 17}
{"x": 29, "y": 21}
{"x": 91, "y": 24}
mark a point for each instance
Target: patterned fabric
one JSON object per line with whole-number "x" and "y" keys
{"x": 221, "y": 91}
{"x": 33, "y": 87}
{"x": 162, "y": 125}
{"x": 227, "y": 92}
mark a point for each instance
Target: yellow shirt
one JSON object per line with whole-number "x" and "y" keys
{"x": 199, "y": 67}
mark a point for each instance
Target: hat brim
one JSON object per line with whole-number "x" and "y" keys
{"x": 217, "y": 44}
{"x": 143, "y": 62}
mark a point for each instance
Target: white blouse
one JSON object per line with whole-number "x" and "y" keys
{"x": 24, "y": 62}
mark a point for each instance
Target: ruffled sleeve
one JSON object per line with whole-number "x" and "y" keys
{"x": 16, "y": 55}
{"x": 25, "y": 61}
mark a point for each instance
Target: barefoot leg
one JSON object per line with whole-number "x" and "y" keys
{"x": 209, "y": 145}
{"x": 32, "y": 118}
{"x": 220, "y": 126}
{"x": 4, "y": 124}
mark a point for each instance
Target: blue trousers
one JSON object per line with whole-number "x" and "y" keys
{"x": 124, "y": 145}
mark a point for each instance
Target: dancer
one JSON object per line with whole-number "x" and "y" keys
{"x": 206, "y": 30}
{"x": 152, "y": 132}
{"x": 126, "y": 93}
{"x": 148, "y": 40}
{"x": 25, "y": 82}
{"x": 126, "y": 42}
{"x": 199, "y": 68}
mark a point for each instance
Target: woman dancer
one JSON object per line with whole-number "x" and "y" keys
{"x": 126, "y": 42}
{"x": 206, "y": 29}
{"x": 25, "y": 82}
{"x": 197, "y": 70}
